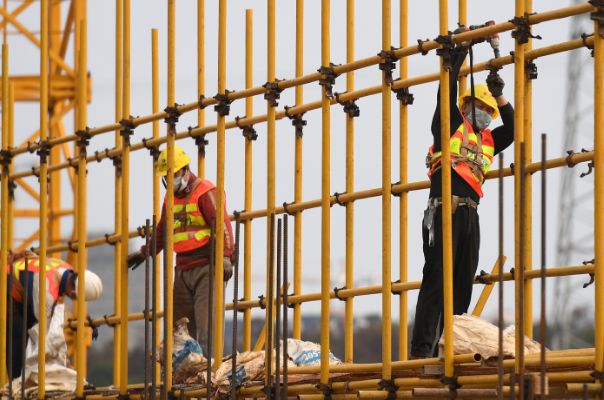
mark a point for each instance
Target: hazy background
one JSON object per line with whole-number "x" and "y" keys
{"x": 549, "y": 97}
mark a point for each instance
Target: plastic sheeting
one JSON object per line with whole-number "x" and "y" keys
{"x": 472, "y": 334}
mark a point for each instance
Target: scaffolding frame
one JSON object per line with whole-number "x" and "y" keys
{"x": 125, "y": 125}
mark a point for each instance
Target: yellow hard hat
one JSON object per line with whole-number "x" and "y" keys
{"x": 181, "y": 160}
{"x": 483, "y": 94}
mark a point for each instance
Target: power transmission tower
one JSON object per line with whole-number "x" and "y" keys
{"x": 575, "y": 230}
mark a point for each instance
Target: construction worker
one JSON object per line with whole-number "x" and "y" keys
{"x": 194, "y": 206}
{"x": 61, "y": 282}
{"x": 472, "y": 151}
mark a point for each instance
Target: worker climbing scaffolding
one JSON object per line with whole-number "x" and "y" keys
{"x": 473, "y": 146}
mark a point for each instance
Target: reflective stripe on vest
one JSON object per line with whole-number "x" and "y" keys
{"x": 462, "y": 169}
{"x": 196, "y": 234}
{"x": 33, "y": 266}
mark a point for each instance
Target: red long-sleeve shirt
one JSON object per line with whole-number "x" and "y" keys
{"x": 207, "y": 206}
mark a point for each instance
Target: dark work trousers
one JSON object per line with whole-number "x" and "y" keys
{"x": 429, "y": 309}
{"x": 18, "y": 334}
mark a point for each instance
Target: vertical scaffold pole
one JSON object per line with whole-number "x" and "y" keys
{"x": 528, "y": 182}
{"x": 403, "y": 176}
{"x": 156, "y": 198}
{"x": 463, "y": 19}
{"x": 220, "y": 223}
{"x": 169, "y": 249}
{"x": 5, "y": 216}
{"x": 247, "y": 224}
{"x": 11, "y": 167}
{"x": 297, "y": 332}
{"x": 117, "y": 250}
{"x": 201, "y": 81}
{"x": 325, "y": 196}
{"x": 446, "y": 197}
{"x": 44, "y": 203}
{"x": 270, "y": 155}
{"x": 518, "y": 139}
{"x": 386, "y": 202}
{"x": 348, "y": 317}
{"x": 599, "y": 195}
{"x": 125, "y": 202}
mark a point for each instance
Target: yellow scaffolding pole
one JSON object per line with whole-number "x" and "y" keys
{"x": 599, "y": 195}
{"x": 155, "y": 178}
{"x": 247, "y": 233}
{"x": 4, "y": 222}
{"x": 82, "y": 212}
{"x": 386, "y": 202}
{"x": 297, "y": 325}
{"x": 201, "y": 82}
{"x": 44, "y": 153}
{"x": 528, "y": 183}
{"x": 117, "y": 250}
{"x": 325, "y": 194}
{"x": 446, "y": 198}
{"x": 11, "y": 143}
{"x": 463, "y": 19}
{"x": 518, "y": 139}
{"x": 349, "y": 316}
{"x": 169, "y": 216}
{"x": 220, "y": 222}
{"x": 403, "y": 176}
{"x": 125, "y": 200}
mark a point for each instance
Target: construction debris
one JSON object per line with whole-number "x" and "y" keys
{"x": 472, "y": 334}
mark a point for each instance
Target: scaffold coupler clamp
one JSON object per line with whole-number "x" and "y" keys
{"x": 598, "y": 15}
{"x": 523, "y": 29}
{"x": 395, "y": 292}
{"x": 285, "y": 205}
{"x": 6, "y": 159}
{"x": 350, "y": 107}
{"x": 420, "y": 46}
{"x": 592, "y": 278}
{"x": 274, "y": 93}
{"x": 446, "y": 50}
{"x": 248, "y": 131}
{"x": 451, "y": 382}
{"x": 388, "y": 385}
{"x": 584, "y": 37}
{"x": 403, "y": 95}
{"x": 392, "y": 187}
{"x": 95, "y": 328}
{"x": 389, "y": 64}
{"x": 153, "y": 150}
{"x": 297, "y": 121}
{"x": 223, "y": 108}
{"x": 429, "y": 219}
{"x": 329, "y": 80}
{"x": 261, "y": 302}
{"x": 336, "y": 290}
{"x": 44, "y": 151}
{"x": 480, "y": 278}
{"x": 530, "y": 70}
{"x": 123, "y": 396}
{"x": 117, "y": 163}
{"x": 172, "y": 118}
{"x": 128, "y": 129}
{"x": 201, "y": 143}
{"x": 326, "y": 389}
{"x": 200, "y": 102}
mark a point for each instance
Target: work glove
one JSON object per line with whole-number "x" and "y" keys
{"x": 495, "y": 84}
{"x": 228, "y": 269}
{"x": 135, "y": 259}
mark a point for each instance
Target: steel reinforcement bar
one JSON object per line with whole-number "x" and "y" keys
{"x": 314, "y": 77}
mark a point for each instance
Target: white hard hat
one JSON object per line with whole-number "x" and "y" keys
{"x": 93, "y": 286}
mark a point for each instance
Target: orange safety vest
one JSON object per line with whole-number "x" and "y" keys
{"x": 190, "y": 228}
{"x": 471, "y": 155}
{"x": 33, "y": 265}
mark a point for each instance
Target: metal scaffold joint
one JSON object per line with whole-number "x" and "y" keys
{"x": 248, "y": 131}
{"x": 6, "y": 158}
{"x": 128, "y": 129}
{"x": 329, "y": 78}
{"x": 598, "y": 15}
{"x": 584, "y": 37}
{"x": 523, "y": 29}
{"x": 297, "y": 121}
{"x": 445, "y": 50}
{"x": 223, "y": 108}
{"x": 200, "y": 102}
{"x": 326, "y": 389}
{"x": 153, "y": 150}
{"x": 389, "y": 386}
{"x": 350, "y": 107}
{"x": 44, "y": 151}
{"x": 403, "y": 95}
{"x": 117, "y": 162}
{"x": 389, "y": 63}
{"x": 274, "y": 93}
{"x": 420, "y": 46}
{"x": 530, "y": 70}
{"x": 172, "y": 118}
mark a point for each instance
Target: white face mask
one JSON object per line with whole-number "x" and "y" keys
{"x": 180, "y": 184}
{"x": 483, "y": 119}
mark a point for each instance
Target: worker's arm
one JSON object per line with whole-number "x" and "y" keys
{"x": 503, "y": 135}
{"x": 207, "y": 205}
{"x": 455, "y": 117}
{"x": 157, "y": 236}
{"x": 35, "y": 296}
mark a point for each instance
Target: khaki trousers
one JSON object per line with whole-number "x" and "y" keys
{"x": 191, "y": 300}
